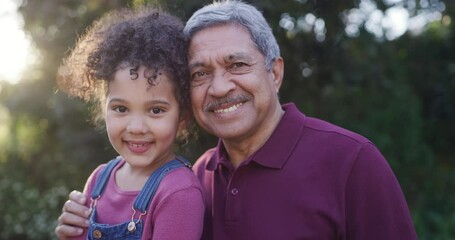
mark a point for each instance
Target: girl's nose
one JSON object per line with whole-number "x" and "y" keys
{"x": 137, "y": 125}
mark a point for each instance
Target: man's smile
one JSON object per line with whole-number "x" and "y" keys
{"x": 229, "y": 109}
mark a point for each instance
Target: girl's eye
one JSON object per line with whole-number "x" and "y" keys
{"x": 120, "y": 109}
{"x": 156, "y": 110}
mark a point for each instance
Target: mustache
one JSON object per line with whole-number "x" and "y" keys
{"x": 226, "y": 100}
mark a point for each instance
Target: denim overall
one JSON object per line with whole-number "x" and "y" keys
{"x": 131, "y": 229}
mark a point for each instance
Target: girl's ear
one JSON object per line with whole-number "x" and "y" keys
{"x": 182, "y": 125}
{"x": 183, "y": 129}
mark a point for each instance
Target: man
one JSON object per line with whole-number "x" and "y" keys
{"x": 276, "y": 173}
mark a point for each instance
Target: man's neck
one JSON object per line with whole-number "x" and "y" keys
{"x": 239, "y": 150}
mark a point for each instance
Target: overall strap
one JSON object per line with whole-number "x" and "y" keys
{"x": 103, "y": 177}
{"x": 142, "y": 201}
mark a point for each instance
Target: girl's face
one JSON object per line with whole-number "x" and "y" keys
{"x": 142, "y": 120}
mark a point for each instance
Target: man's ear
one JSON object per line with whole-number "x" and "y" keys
{"x": 278, "y": 72}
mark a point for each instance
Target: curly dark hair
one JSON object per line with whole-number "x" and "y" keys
{"x": 145, "y": 37}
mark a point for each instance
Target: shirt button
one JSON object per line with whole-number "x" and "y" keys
{"x": 234, "y": 191}
{"x": 97, "y": 234}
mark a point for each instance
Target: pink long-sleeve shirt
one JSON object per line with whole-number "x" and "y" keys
{"x": 175, "y": 212}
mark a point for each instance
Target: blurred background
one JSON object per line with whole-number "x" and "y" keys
{"x": 382, "y": 68}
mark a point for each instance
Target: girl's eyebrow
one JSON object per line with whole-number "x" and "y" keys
{"x": 161, "y": 102}
{"x": 151, "y": 102}
{"x": 116, "y": 100}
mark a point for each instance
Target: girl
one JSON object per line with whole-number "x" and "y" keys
{"x": 133, "y": 65}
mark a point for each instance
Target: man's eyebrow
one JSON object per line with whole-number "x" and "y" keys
{"x": 238, "y": 56}
{"x": 228, "y": 59}
{"x": 195, "y": 64}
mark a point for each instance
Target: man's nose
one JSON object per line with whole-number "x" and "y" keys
{"x": 221, "y": 84}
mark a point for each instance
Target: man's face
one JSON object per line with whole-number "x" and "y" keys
{"x": 233, "y": 95}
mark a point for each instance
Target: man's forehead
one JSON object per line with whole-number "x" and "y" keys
{"x": 226, "y": 58}
{"x": 226, "y": 43}
{"x": 221, "y": 29}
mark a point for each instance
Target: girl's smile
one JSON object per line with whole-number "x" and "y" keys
{"x": 142, "y": 119}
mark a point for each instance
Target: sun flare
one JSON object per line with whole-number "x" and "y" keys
{"x": 15, "y": 46}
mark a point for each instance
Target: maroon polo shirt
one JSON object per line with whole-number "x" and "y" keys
{"x": 310, "y": 180}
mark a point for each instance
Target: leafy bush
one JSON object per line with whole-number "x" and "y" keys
{"x": 27, "y": 211}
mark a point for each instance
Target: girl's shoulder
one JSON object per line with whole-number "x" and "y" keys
{"x": 89, "y": 185}
{"x": 179, "y": 179}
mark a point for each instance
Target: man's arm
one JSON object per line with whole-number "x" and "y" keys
{"x": 74, "y": 217}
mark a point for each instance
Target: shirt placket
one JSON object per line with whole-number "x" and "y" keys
{"x": 232, "y": 207}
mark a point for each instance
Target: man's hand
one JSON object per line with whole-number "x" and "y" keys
{"x": 74, "y": 217}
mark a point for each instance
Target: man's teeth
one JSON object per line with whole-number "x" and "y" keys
{"x": 229, "y": 109}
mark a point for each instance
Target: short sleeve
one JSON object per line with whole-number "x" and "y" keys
{"x": 375, "y": 205}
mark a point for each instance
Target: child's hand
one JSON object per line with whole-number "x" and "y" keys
{"x": 74, "y": 216}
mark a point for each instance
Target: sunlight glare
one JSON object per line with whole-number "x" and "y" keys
{"x": 392, "y": 23}
{"x": 4, "y": 126}
{"x": 15, "y": 45}
{"x": 395, "y": 22}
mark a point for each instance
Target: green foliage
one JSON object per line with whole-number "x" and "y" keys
{"x": 400, "y": 94}
{"x": 28, "y": 212}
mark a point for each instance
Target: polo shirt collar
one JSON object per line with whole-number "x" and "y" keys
{"x": 277, "y": 148}
{"x": 219, "y": 155}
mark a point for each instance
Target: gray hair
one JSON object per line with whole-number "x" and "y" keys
{"x": 242, "y": 14}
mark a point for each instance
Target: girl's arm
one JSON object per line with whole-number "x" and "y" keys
{"x": 180, "y": 216}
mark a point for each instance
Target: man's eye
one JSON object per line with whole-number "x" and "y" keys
{"x": 120, "y": 109}
{"x": 239, "y": 68}
{"x": 238, "y": 65}
{"x": 197, "y": 75}
{"x": 198, "y": 78}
